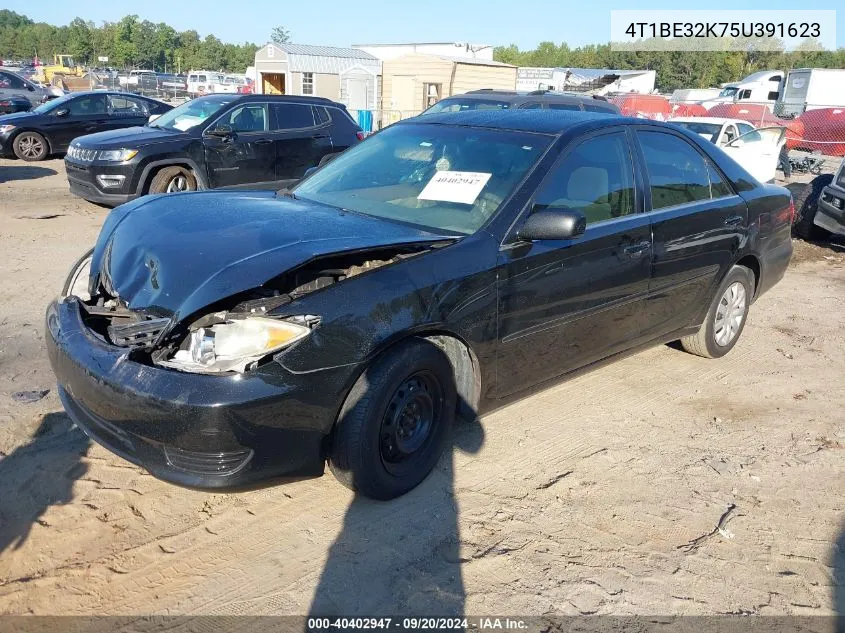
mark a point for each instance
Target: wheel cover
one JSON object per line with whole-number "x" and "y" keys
{"x": 30, "y": 146}
{"x": 410, "y": 418}
{"x": 729, "y": 314}
{"x": 178, "y": 183}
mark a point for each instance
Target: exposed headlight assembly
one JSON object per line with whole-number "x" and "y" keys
{"x": 76, "y": 284}
{"x": 6, "y": 128}
{"x": 235, "y": 344}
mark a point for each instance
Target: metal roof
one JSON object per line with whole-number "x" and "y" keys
{"x": 469, "y": 60}
{"x": 325, "y": 51}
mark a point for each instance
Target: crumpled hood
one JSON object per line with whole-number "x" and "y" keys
{"x": 174, "y": 254}
{"x": 127, "y": 137}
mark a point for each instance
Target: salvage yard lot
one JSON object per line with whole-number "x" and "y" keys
{"x": 662, "y": 483}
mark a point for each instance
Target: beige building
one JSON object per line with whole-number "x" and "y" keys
{"x": 347, "y": 75}
{"x": 411, "y": 83}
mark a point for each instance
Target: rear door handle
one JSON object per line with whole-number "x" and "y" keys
{"x": 635, "y": 250}
{"x": 264, "y": 141}
{"x": 734, "y": 220}
{"x": 320, "y": 136}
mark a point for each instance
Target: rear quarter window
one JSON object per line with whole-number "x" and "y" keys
{"x": 677, "y": 172}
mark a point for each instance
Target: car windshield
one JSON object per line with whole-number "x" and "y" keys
{"x": 710, "y": 131}
{"x": 459, "y": 105}
{"x": 442, "y": 178}
{"x": 191, "y": 113}
{"x": 728, "y": 92}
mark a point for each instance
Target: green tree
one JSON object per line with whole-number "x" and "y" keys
{"x": 280, "y": 35}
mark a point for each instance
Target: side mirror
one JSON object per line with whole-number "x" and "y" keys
{"x": 221, "y": 131}
{"x": 153, "y": 117}
{"x": 30, "y": 88}
{"x": 62, "y": 112}
{"x": 553, "y": 224}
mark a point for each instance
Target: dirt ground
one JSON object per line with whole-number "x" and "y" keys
{"x": 660, "y": 484}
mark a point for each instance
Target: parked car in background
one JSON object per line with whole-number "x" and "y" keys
{"x": 14, "y": 85}
{"x": 14, "y": 103}
{"x": 450, "y": 263}
{"x": 255, "y": 141}
{"x": 820, "y": 206}
{"x": 50, "y": 128}
{"x": 513, "y": 100}
{"x": 203, "y": 82}
{"x": 757, "y": 150}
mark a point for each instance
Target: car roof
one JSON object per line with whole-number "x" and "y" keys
{"x": 518, "y": 96}
{"x": 540, "y": 121}
{"x": 280, "y": 98}
{"x": 706, "y": 119}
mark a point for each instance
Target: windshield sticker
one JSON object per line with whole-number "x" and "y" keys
{"x": 455, "y": 186}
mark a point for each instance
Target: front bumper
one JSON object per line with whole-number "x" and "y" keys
{"x": 830, "y": 214}
{"x": 82, "y": 178}
{"x": 190, "y": 429}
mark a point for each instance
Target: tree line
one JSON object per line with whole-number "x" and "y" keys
{"x": 128, "y": 43}
{"x": 675, "y": 69}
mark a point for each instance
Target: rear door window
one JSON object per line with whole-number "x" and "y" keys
{"x": 126, "y": 106}
{"x": 88, "y": 105}
{"x": 677, "y": 173}
{"x": 292, "y": 116}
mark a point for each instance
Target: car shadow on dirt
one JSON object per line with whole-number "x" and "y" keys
{"x": 38, "y": 475}
{"x": 9, "y": 173}
{"x": 839, "y": 580}
{"x": 402, "y": 555}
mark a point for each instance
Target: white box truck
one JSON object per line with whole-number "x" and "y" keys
{"x": 810, "y": 89}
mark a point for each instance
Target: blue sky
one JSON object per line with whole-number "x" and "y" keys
{"x": 341, "y": 23}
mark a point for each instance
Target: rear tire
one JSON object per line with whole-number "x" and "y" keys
{"x": 806, "y": 206}
{"x": 726, "y": 317}
{"x": 30, "y": 146}
{"x": 173, "y": 180}
{"x": 395, "y": 421}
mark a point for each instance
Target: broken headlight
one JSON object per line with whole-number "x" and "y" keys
{"x": 235, "y": 344}
{"x": 76, "y": 284}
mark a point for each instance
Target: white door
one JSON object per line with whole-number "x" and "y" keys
{"x": 356, "y": 90}
{"x": 758, "y": 151}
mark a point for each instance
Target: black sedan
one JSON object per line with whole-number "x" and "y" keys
{"x": 444, "y": 266}
{"x": 49, "y": 128}
{"x": 14, "y": 103}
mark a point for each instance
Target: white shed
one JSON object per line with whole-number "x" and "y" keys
{"x": 347, "y": 75}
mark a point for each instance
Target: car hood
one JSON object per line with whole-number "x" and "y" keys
{"x": 173, "y": 255}
{"x": 127, "y": 137}
{"x": 18, "y": 118}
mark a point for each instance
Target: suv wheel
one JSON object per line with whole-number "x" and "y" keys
{"x": 30, "y": 146}
{"x": 726, "y": 317}
{"x": 173, "y": 180}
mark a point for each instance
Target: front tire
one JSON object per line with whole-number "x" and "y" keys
{"x": 30, "y": 146}
{"x": 726, "y": 317}
{"x": 173, "y": 180}
{"x": 395, "y": 422}
{"x": 806, "y": 206}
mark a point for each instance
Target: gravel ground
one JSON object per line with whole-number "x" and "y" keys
{"x": 659, "y": 484}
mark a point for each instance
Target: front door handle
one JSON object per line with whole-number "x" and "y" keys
{"x": 734, "y": 220}
{"x": 635, "y": 250}
{"x": 320, "y": 136}
{"x": 264, "y": 141}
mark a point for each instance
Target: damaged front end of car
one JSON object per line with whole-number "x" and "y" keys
{"x": 233, "y": 335}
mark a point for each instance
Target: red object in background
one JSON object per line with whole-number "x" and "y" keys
{"x": 640, "y": 106}
{"x": 759, "y": 115}
{"x": 246, "y": 89}
{"x": 824, "y": 131}
{"x": 689, "y": 109}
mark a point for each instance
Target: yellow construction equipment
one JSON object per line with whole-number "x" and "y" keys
{"x": 65, "y": 74}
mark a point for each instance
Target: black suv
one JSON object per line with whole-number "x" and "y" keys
{"x": 212, "y": 142}
{"x": 489, "y": 99}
